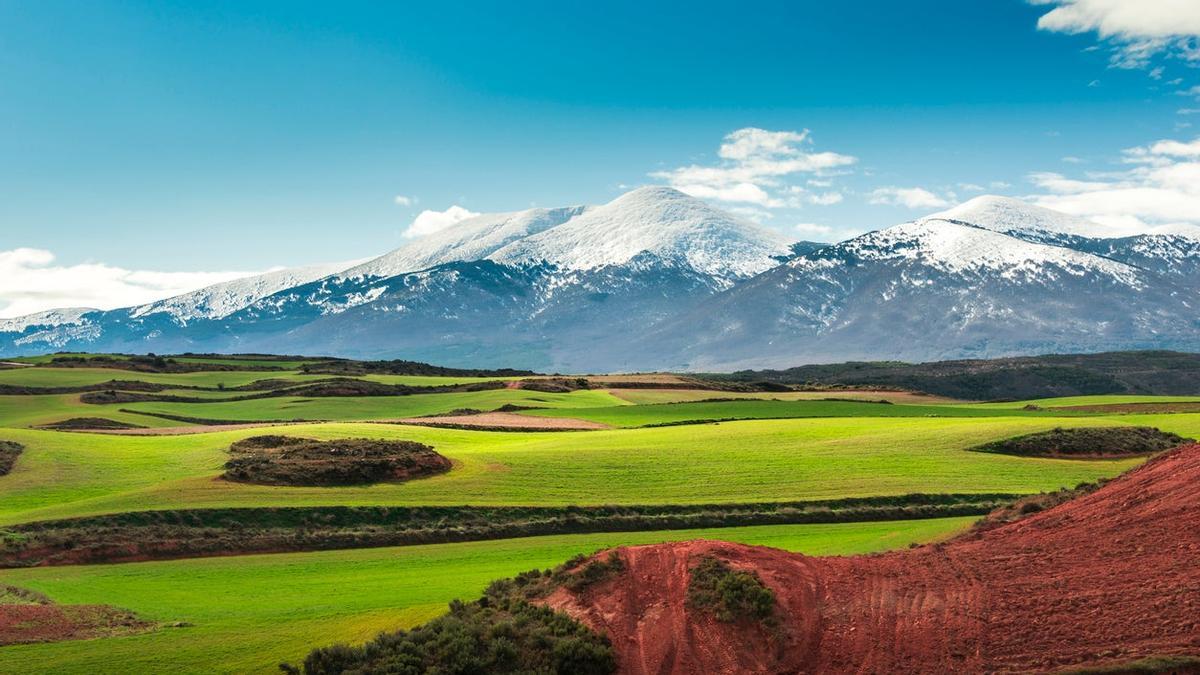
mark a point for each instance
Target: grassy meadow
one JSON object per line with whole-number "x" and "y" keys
{"x": 247, "y": 613}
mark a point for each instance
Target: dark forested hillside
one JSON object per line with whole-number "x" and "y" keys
{"x": 1141, "y": 372}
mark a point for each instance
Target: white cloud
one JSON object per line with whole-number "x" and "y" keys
{"x": 1159, "y": 189}
{"x": 826, "y": 198}
{"x": 428, "y": 222}
{"x": 752, "y": 168}
{"x": 813, "y": 229}
{"x": 33, "y": 283}
{"x": 1073, "y": 160}
{"x": 913, "y": 198}
{"x": 404, "y": 200}
{"x": 1138, "y": 30}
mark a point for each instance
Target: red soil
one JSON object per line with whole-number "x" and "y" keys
{"x": 504, "y": 420}
{"x": 26, "y": 623}
{"x": 1106, "y": 578}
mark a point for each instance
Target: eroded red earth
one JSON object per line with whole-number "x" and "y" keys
{"x": 1104, "y": 579}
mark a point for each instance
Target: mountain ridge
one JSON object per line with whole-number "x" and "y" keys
{"x": 656, "y": 279}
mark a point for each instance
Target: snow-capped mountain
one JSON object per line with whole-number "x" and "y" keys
{"x": 658, "y": 279}
{"x": 471, "y": 239}
{"x": 46, "y": 319}
{"x": 652, "y": 221}
{"x": 221, "y": 300}
{"x": 940, "y": 288}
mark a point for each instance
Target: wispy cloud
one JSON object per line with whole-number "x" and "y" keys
{"x": 912, "y": 197}
{"x": 753, "y": 168}
{"x": 1157, "y": 187}
{"x": 405, "y": 200}
{"x": 1135, "y": 31}
{"x": 428, "y": 222}
{"x": 34, "y": 283}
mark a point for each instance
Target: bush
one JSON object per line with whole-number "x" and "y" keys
{"x": 9, "y": 451}
{"x": 1087, "y": 442}
{"x": 286, "y": 460}
{"x": 502, "y": 632}
{"x": 731, "y": 595}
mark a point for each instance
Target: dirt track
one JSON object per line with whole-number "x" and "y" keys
{"x": 1106, "y": 578}
{"x": 502, "y": 420}
{"x": 187, "y": 429}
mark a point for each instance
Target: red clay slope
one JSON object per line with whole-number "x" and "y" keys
{"x": 1103, "y": 579}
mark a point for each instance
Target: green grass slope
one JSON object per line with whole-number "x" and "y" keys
{"x": 249, "y": 613}
{"x": 70, "y": 474}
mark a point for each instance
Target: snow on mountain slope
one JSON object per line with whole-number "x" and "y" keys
{"x": 963, "y": 249}
{"x": 472, "y": 239}
{"x": 221, "y": 300}
{"x": 69, "y": 316}
{"x": 657, "y": 221}
{"x": 1013, "y": 216}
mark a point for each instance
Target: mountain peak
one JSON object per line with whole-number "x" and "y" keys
{"x": 656, "y": 220}
{"x": 1009, "y": 215}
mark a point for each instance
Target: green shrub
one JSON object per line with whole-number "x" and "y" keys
{"x": 9, "y": 451}
{"x": 731, "y": 595}
{"x": 1087, "y": 442}
{"x": 502, "y": 632}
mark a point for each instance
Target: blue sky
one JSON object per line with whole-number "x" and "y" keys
{"x": 165, "y": 136}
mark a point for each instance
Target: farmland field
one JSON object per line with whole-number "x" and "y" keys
{"x": 246, "y": 613}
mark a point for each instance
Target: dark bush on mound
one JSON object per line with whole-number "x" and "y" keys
{"x": 1087, "y": 442}
{"x": 286, "y": 460}
{"x": 502, "y": 632}
{"x": 9, "y": 451}
{"x": 731, "y": 595}
{"x": 89, "y": 423}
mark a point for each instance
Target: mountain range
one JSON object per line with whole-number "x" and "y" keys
{"x": 656, "y": 279}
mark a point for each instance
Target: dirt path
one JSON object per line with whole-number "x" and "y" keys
{"x": 188, "y": 429}
{"x": 505, "y": 420}
{"x": 1107, "y": 578}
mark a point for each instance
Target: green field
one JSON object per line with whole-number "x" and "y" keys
{"x": 675, "y": 413}
{"x": 64, "y": 475}
{"x": 374, "y": 407}
{"x": 251, "y": 612}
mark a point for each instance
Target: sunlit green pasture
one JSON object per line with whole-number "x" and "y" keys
{"x": 23, "y": 411}
{"x": 653, "y": 396}
{"x": 82, "y": 377}
{"x": 72, "y": 474}
{"x": 373, "y": 407}
{"x": 248, "y": 613}
{"x": 1106, "y": 399}
{"x": 674, "y": 413}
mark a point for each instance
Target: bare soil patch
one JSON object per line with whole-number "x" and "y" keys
{"x": 26, "y": 616}
{"x": 1108, "y": 579}
{"x": 289, "y": 460}
{"x": 190, "y": 429}
{"x": 1138, "y": 408}
{"x": 505, "y": 421}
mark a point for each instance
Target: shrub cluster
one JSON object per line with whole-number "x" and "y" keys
{"x": 1087, "y": 442}
{"x": 731, "y": 595}
{"x": 197, "y": 532}
{"x": 287, "y": 460}
{"x": 502, "y": 632}
{"x": 9, "y": 451}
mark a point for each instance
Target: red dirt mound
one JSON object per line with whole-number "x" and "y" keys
{"x": 1107, "y": 578}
